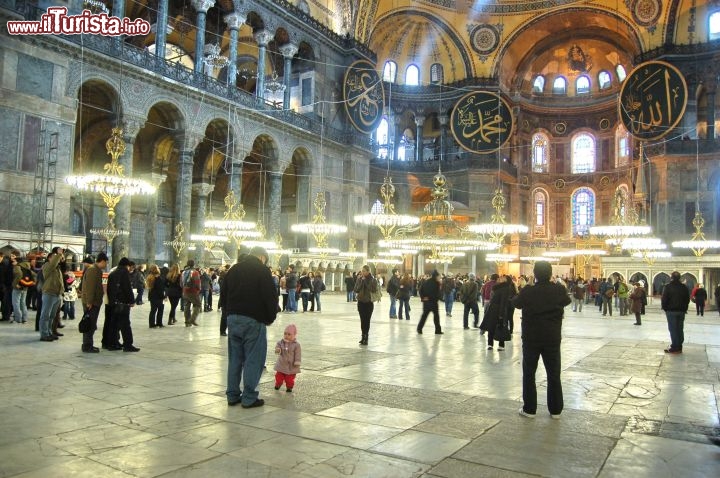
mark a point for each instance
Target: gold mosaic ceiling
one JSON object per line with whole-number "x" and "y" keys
{"x": 506, "y": 38}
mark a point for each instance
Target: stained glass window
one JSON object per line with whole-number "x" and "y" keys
{"x": 540, "y": 212}
{"x": 622, "y": 146}
{"x": 436, "y": 73}
{"x": 389, "y": 71}
{"x": 583, "y": 153}
{"x": 540, "y": 153}
{"x": 583, "y": 211}
{"x": 381, "y": 136}
{"x": 412, "y": 75}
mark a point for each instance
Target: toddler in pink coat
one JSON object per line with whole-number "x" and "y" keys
{"x": 288, "y": 361}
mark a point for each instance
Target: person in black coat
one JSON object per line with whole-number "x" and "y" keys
{"x": 675, "y": 301}
{"x": 430, "y": 294}
{"x": 700, "y": 300}
{"x": 543, "y": 308}
{"x": 121, "y": 299}
{"x": 498, "y": 309}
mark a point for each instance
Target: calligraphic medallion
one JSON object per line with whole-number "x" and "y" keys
{"x": 652, "y": 100}
{"x": 364, "y": 96}
{"x": 481, "y": 122}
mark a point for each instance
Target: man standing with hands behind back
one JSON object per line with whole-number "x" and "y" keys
{"x": 543, "y": 307}
{"x": 675, "y": 301}
{"x": 248, "y": 298}
{"x": 92, "y": 299}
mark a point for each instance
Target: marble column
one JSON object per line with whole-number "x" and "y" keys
{"x": 118, "y": 10}
{"x": 151, "y": 219}
{"x": 161, "y": 26}
{"x": 274, "y": 202}
{"x": 473, "y": 263}
{"x": 201, "y": 190}
{"x": 234, "y": 22}
{"x": 443, "y": 119}
{"x": 183, "y": 200}
{"x": 397, "y": 136}
{"x": 288, "y": 52}
{"x": 121, "y": 244}
{"x": 419, "y": 121}
{"x": 202, "y": 6}
{"x": 710, "y": 115}
{"x": 262, "y": 37}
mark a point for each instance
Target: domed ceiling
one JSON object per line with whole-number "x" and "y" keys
{"x": 504, "y": 38}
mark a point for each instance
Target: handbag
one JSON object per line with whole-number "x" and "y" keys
{"x": 84, "y": 324}
{"x": 502, "y": 332}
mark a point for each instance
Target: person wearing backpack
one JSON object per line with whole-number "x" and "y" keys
{"x": 191, "y": 293}
{"x": 23, "y": 279}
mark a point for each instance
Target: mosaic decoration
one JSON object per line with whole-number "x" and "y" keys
{"x": 652, "y": 100}
{"x": 645, "y": 12}
{"x": 364, "y": 96}
{"x": 578, "y": 60}
{"x": 481, "y": 122}
{"x": 484, "y": 39}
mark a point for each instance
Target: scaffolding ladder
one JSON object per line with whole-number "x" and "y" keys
{"x": 44, "y": 191}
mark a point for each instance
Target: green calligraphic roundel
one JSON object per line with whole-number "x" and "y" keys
{"x": 481, "y": 122}
{"x": 364, "y": 96}
{"x": 652, "y": 100}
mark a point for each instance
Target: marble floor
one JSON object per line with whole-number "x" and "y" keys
{"x": 407, "y": 405}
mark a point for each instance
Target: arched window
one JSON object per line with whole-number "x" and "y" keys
{"x": 390, "y": 71}
{"x": 382, "y": 136}
{"x": 714, "y": 26}
{"x": 436, "y": 73}
{"x": 540, "y": 147}
{"x": 539, "y": 212}
{"x": 620, "y": 70}
{"x": 377, "y": 208}
{"x": 539, "y": 84}
{"x": 583, "y": 211}
{"x": 559, "y": 86}
{"x": 78, "y": 226}
{"x": 583, "y": 153}
{"x": 604, "y": 80}
{"x": 412, "y": 75}
{"x": 622, "y": 146}
{"x": 582, "y": 85}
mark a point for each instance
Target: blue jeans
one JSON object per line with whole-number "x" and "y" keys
{"x": 19, "y": 307}
{"x": 449, "y": 301}
{"x": 50, "y": 305}
{"x": 317, "y": 301}
{"x": 247, "y": 351}
{"x": 676, "y": 322}
{"x": 292, "y": 301}
{"x": 305, "y": 298}
{"x": 349, "y": 296}
{"x": 393, "y": 311}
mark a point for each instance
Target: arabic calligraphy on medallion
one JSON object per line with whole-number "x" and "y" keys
{"x": 481, "y": 122}
{"x": 364, "y": 96}
{"x": 652, "y": 100}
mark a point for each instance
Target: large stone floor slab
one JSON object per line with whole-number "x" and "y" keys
{"x": 407, "y": 405}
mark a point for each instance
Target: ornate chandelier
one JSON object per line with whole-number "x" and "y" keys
{"x": 274, "y": 85}
{"x": 213, "y": 56}
{"x": 112, "y": 185}
{"x": 233, "y": 225}
{"x": 177, "y": 243}
{"x": 319, "y": 228}
{"x": 497, "y": 228}
{"x": 386, "y": 219}
{"x": 623, "y": 224}
{"x": 698, "y": 244}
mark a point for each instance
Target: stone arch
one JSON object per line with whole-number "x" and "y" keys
{"x": 98, "y": 111}
{"x": 659, "y": 282}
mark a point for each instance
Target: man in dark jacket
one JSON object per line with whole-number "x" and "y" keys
{"x": 543, "y": 307}
{"x": 121, "y": 299}
{"x": 430, "y": 293}
{"x": 291, "y": 280}
{"x": 248, "y": 298}
{"x": 92, "y": 299}
{"x": 675, "y": 301}
{"x": 392, "y": 288}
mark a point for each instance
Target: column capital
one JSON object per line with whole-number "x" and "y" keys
{"x": 443, "y": 119}
{"x": 131, "y": 126}
{"x": 263, "y": 37}
{"x": 235, "y": 20}
{"x": 188, "y": 141}
{"x": 203, "y": 189}
{"x": 202, "y": 5}
{"x": 156, "y": 178}
{"x": 419, "y": 120}
{"x": 289, "y": 50}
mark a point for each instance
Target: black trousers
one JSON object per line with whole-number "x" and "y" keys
{"x": 121, "y": 317}
{"x": 92, "y": 316}
{"x": 551, "y": 359}
{"x": 470, "y": 307}
{"x": 430, "y": 306}
{"x": 365, "y": 309}
{"x": 156, "y": 312}
{"x": 110, "y": 334}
